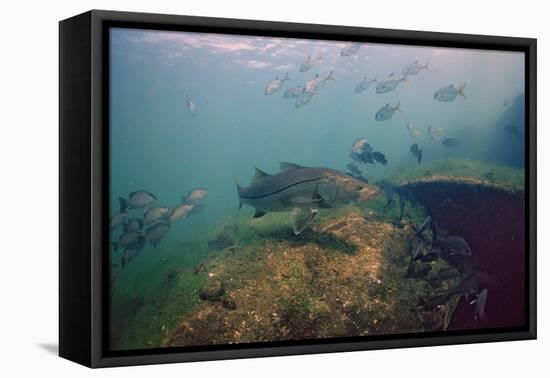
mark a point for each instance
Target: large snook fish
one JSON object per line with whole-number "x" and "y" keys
{"x": 302, "y": 190}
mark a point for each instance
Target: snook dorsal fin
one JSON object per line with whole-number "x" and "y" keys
{"x": 259, "y": 174}
{"x": 286, "y": 166}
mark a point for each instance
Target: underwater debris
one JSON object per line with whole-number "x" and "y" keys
{"x": 222, "y": 241}
{"x": 229, "y": 304}
{"x": 199, "y": 268}
{"x": 212, "y": 291}
{"x": 308, "y": 287}
{"x": 490, "y": 176}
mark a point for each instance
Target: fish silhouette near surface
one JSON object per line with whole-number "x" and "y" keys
{"x": 275, "y": 85}
{"x": 386, "y": 112}
{"x": 450, "y": 92}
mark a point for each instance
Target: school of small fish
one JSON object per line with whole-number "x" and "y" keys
{"x": 144, "y": 221}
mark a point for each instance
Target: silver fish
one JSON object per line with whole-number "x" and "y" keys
{"x": 386, "y": 112}
{"x": 294, "y": 92}
{"x": 364, "y": 84}
{"x": 318, "y": 82}
{"x": 302, "y": 190}
{"x": 304, "y": 99}
{"x": 195, "y": 195}
{"x": 414, "y": 68}
{"x": 275, "y": 85}
{"x": 390, "y": 83}
{"x": 414, "y": 132}
{"x": 449, "y": 93}
{"x": 179, "y": 212}
{"x": 117, "y": 219}
{"x": 305, "y": 66}
{"x": 191, "y": 107}
{"x": 137, "y": 200}
{"x": 351, "y": 49}
{"x": 435, "y": 132}
{"x": 155, "y": 214}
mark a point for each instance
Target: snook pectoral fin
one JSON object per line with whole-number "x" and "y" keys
{"x": 302, "y": 219}
{"x": 258, "y": 214}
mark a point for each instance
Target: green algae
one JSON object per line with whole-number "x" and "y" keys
{"x": 483, "y": 172}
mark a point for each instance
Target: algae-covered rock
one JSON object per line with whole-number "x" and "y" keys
{"x": 346, "y": 276}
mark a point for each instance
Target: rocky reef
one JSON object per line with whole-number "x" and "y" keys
{"x": 349, "y": 274}
{"x": 346, "y": 276}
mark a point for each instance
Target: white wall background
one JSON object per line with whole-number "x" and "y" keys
{"x": 29, "y": 189}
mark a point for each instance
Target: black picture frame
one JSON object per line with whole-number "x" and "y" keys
{"x": 84, "y": 189}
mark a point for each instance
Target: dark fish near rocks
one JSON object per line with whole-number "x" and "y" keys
{"x": 423, "y": 227}
{"x": 137, "y": 200}
{"x": 117, "y": 219}
{"x": 361, "y": 151}
{"x": 125, "y": 239}
{"x": 353, "y": 168}
{"x": 355, "y": 172}
{"x": 468, "y": 286}
{"x": 456, "y": 245}
{"x": 416, "y": 246}
{"x": 401, "y": 207}
{"x": 433, "y": 304}
{"x": 388, "y": 188}
{"x": 302, "y": 190}
{"x": 379, "y": 157}
{"x": 156, "y": 232}
{"x": 480, "y": 302}
{"x": 132, "y": 250}
{"x": 431, "y": 256}
{"x": 417, "y": 152}
{"x": 447, "y": 274}
{"x": 133, "y": 224}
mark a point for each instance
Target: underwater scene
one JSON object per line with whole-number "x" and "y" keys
{"x": 278, "y": 189}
